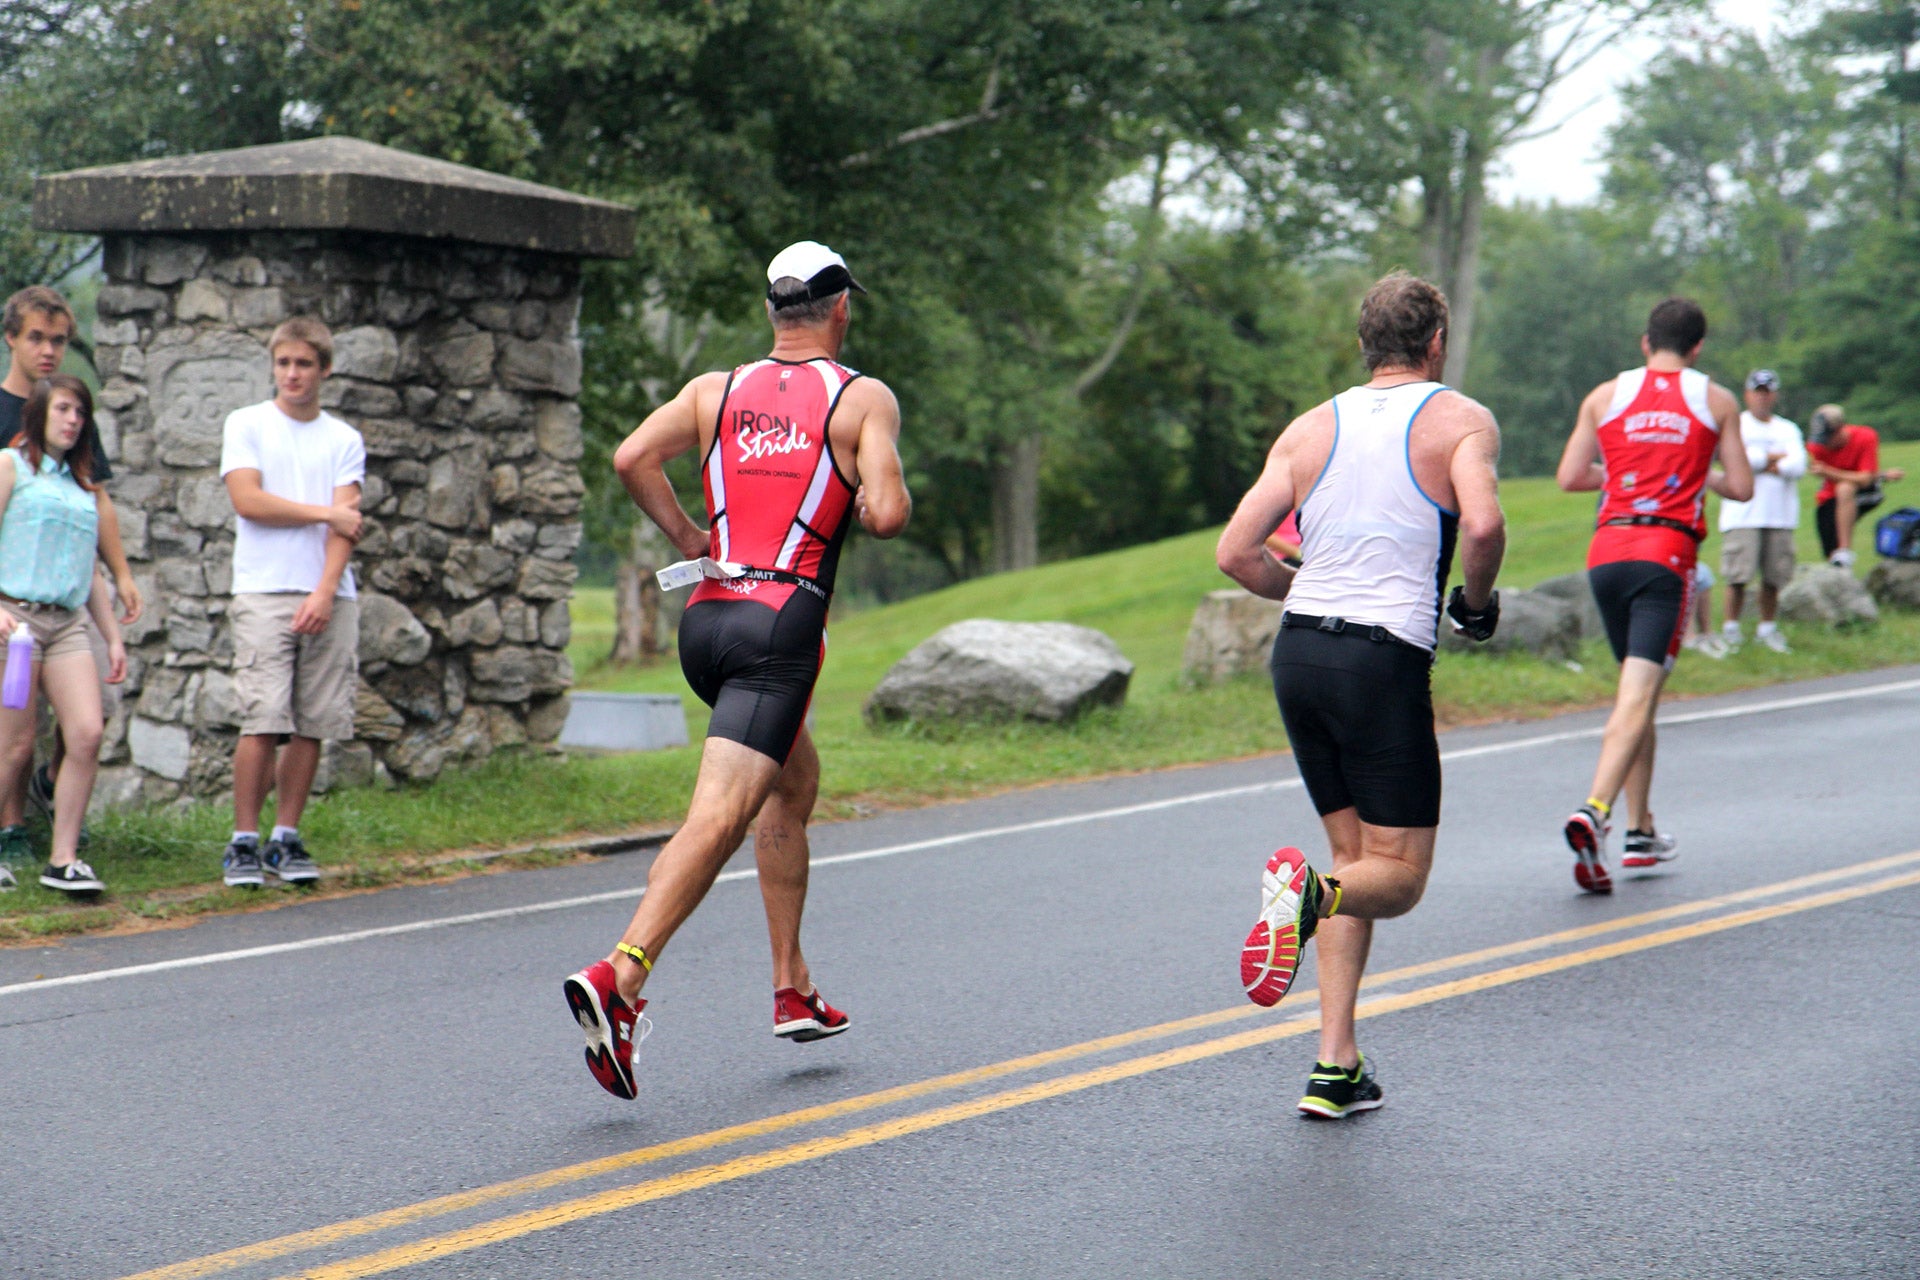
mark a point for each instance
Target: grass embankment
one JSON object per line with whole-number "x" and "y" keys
{"x": 159, "y": 863}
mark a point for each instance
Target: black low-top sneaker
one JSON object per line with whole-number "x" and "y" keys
{"x": 240, "y": 865}
{"x": 1334, "y": 1093}
{"x": 75, "y": 877}
{"x": 287, "y": 858}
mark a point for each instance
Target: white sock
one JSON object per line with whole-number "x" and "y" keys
{"x": 247, "y": 835}
{"x": 282, "y": 833}
{"x": 1766, "y": 629}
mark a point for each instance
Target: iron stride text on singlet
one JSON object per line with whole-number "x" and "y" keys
{"x": 1376, "y": 549}
{"x": 1657, "y": 441}
{"x": 774, "y": 496}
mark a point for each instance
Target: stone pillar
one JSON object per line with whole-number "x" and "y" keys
{"x": 453, "y": 296}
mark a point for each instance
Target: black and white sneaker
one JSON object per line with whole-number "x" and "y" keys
{"x": 241, "y": 864}
{"x": 1646, "y": 848}
{"x": 75, "y": 877}
{"x": 7, "y": 883}
{"x": 287, "y": 858}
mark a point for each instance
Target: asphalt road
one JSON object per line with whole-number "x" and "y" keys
{"x": 1052, "y": 1071}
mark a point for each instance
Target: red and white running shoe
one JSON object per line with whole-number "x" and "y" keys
{"x": 801, "y": 1018}
{"x": 1587, "y": 836}
{"x": 1289, "y": 913}
{"x": 610, "y": 1027}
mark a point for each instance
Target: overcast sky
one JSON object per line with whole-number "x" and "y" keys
{"x": 1565, "y": 165}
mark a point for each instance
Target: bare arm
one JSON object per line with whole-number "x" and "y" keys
{"x": 1580, "y": 470}
{"x": 256, "y": 504}
{"x": 1735, "y": 478}
{"x": 1475, "y": 472}
{"x": 100, "y": 605}
{"x": 882, "y": 502}
{"x": 316, "y": 611}
{"x": 1242, "y": 551}
{"x": 641, "y": 461}
{"x": 114, "y": 552}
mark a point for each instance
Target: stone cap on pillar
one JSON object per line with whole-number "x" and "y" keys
{"x": 331, "y": 184}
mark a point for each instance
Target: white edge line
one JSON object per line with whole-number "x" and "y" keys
{"x": 916, "y": 846}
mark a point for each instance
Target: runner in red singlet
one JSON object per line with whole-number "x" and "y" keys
{"x": 1647, "y": 440}
{"x": 793, "y": 446}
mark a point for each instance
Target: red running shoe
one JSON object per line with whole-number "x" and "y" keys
{"x": 1289, "y": 913}
{"x": 801, "y": 1018}
{"x": 1587, "y": 837}
{"x": 609, "y": 1024}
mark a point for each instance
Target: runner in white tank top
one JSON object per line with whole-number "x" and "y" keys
{"x": 1385, "y": 476}
{"x": 1374, "y": 547}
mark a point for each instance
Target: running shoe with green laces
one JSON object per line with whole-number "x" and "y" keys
{"x": 1334, "y": 1093}
{"x": 1290, "y": 894}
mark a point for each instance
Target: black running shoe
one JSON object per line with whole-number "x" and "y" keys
{"x": 287, "y": 858}
{"x": 75, "y": 877}
{"x": 1334, "y": 1093}
{"x": 241, "y": 864}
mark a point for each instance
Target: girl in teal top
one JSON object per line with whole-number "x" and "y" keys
{"x": 49, "y": 538}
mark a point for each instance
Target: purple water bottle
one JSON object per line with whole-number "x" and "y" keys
{"x": 18, "y": 682}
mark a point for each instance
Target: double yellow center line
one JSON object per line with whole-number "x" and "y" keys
{"x": 573, "y": 1210}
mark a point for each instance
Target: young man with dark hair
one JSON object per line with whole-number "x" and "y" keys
{"x": 38, "y": 329}
{"x": 1647, "y": 440}
{"x": 1387, "y": 478}
{"x": 294, "y": 472}
{"x": 793, "y": 447}
{"x": 1846, "y": 456}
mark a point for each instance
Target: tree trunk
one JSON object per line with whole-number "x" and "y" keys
{"x": 636, "y": 599}
{"x": 1463, "y": 279}
{"x": 1016, "y": 504}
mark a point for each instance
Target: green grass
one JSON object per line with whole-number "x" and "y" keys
{"x": 161, "y": 863}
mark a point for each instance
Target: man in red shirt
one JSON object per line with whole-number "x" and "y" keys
{"x": 1647, "y": 440}
{"x": 793, "y": 447}
{"x": 1847, "y": 457}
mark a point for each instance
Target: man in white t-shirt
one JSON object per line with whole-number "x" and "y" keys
{"x": 294, "y": 473}
{"x": 1756, "y": 537}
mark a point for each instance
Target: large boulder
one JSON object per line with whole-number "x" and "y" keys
{"x": 1896, "y": 584}
{"x": 1232, "y": 632}
{"x": 1827, "y": 595}
{"x": 1530, "y": 622}
{"x": 1574, "y": 589}
{"x": 986, "y": 670}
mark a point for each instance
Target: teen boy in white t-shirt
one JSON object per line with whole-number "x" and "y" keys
{"x": 293, "y": 472}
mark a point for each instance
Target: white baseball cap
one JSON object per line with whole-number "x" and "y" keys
{"x": 824, "y": 271}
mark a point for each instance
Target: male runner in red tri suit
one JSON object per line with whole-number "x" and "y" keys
{"x": 1647, "y": 440}
{"x": 793, "y": 445}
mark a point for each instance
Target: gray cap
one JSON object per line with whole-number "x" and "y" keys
{"x": 1763, "y": 380}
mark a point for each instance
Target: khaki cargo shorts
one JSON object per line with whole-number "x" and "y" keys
{"x": 287, "y": 683}
{"x": 1763, "y": 553}
{"x": 57, "y": 633}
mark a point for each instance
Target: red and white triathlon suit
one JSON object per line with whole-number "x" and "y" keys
{"x": 1657, "y": 441}
{"x": 777, "y": 502}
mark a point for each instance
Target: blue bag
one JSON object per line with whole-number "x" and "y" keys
{"x": 1896, "y": 535}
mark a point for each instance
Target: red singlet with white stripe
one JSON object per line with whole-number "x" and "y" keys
{"x": 1657, "y": 440}
{"x": 775, "y": 498}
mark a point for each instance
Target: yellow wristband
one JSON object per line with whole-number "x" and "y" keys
{"x": 627, "y": 949}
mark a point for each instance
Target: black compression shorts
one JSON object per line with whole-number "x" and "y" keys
{"x": 1359, "y": 713}
{"x": 1644, "y": 607}
{"x": 755, "y": 667}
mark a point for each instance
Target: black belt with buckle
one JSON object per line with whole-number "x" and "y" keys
{"x": 1340, "y": 626}
{"x": 1659, "y": 522}
{"x": 791, "y": 579}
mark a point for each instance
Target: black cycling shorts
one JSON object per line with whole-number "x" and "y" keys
{"x": 1644, "y": 606}
{"x": 755, "y": 667}
{"x": 1359, "y": 713}
{"x": 1827, "y": 522}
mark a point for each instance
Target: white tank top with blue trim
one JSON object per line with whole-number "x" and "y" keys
{"x": 1374, "y": 548}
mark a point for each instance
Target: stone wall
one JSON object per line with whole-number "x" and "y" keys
{"x": 460, "y": 365}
